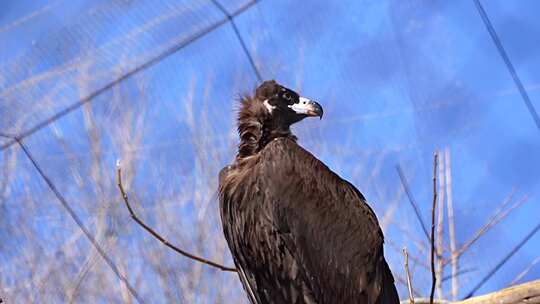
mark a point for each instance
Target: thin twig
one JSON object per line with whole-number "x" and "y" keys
{"x": 504, "y": 260}
{"x": 67, "y": 207}
{"x": 403, "y": 281}
{"x": 433, "y": 276}
{"x": 417, "y": 261}
{"x": 440, "y": 228}
{"x": 525, "y": 271}
{"x": 405, "y": 185}
{"x": 409, "y": 284}
{"x": 496, "y": 218}
{"x": 158, "y": 236}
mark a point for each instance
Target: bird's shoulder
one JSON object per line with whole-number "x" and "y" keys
{"x": 304, "y": 183}
{"x": 285, "y": 158}
{"x": 224, "y": 179}
{"x": 223, "y": 173}
{"x": 284, "y": 146}
{"x": 323, "y": 219}
{"x": 286, "y": 155}
{"x": 307, "y": 216}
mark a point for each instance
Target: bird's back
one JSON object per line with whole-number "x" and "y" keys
{"x": 301, "y": 234}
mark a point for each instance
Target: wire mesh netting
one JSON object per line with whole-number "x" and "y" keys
{"x": 156, "y": 85}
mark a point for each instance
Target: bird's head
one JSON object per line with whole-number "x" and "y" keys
{"x": 284, "y": 106}
{"x": 269, "y": 114}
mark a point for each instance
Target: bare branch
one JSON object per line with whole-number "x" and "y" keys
{"x": 416, "y": 260}
{"x": 158, "y": 236}
{"x": 440, "y": 228}
{"x": 403, "y": 281}
{"x": 433, "y": 276}
{"x": 504, "y": 260}
{"x": 525, "y": 271}
{"x": 494, "y": 220}
{"x": 78, "y": 221}
{"x": 451, "y": 229}
{"x": 409, "y": 284}
{"x": 405, "y": 185}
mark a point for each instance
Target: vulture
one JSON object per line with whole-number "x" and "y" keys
{"x": 298, "y": 233}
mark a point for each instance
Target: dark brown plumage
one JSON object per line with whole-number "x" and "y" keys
{"x": 298, "y": 232}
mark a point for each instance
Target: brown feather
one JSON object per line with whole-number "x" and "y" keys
{"x": 297, "y": 231}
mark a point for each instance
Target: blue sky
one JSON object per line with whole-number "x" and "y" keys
{"x": 397, "y": 79}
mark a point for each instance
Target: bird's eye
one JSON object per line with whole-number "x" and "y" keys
{"x": 287, "y": 96}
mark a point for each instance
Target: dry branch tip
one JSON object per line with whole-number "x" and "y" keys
{"x": 434, "y": 204}
{"x": 157, "y": 235}
{"x": 409, "y": 281}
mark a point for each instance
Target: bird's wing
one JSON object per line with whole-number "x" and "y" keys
{"x": 259, "y": 244}
{"x": 388, "y": 292}
{"x": 325, "y": 223}
{"x": 248, "y": 282}
{"x": 301, "y": 234}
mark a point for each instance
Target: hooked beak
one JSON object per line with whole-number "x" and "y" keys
{"x": 307, "y": 107}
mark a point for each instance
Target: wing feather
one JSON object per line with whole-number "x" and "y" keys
{"x": 300, "y": 233}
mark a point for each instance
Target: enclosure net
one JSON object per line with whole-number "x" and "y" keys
{"x": 156, "y": 85}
